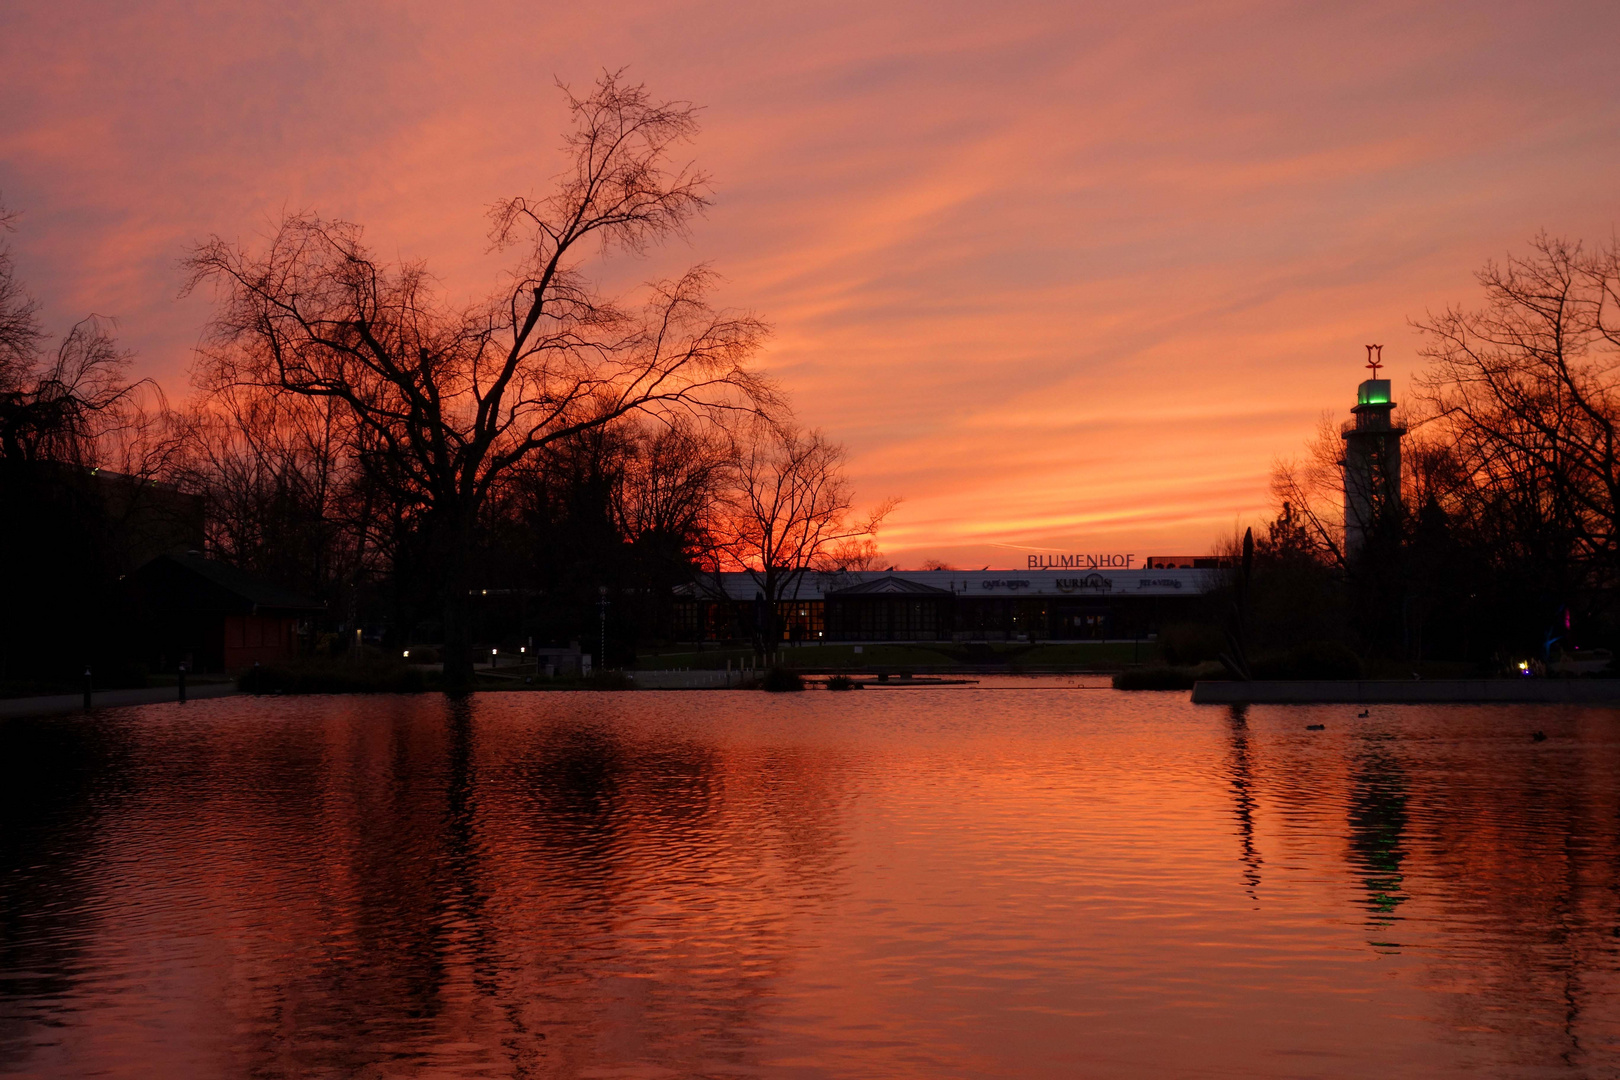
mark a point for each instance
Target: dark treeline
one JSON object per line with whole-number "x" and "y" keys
{"x": 630, "y": 506}
{"x": 478, "y": 474}
{"x": 1501, "y": 546}
{"x": 79, "y": 444}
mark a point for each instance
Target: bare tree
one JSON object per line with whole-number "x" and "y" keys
{"x": 455, "y": 397}
{"x": 79, "y": 444}
{"x": 74, "y": 404}
{"x": 788, "y": 510}
{"x": 1527, "y": 392}
{"x": 857, "y": 553}
{"x": 1511, "y": 464}
{"x": 671, "y": 484}
{"x": 287, "y": 495}
{"x": 20, "y": 333}
{"x": 1309, "y": 492}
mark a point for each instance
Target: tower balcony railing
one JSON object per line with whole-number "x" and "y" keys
{"x": 1392, "y": 419}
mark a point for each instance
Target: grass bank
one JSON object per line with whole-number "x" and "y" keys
{"x": 321, "y": 675}
{"x": 343, "y": 675}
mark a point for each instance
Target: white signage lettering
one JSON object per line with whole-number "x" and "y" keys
{"x": 1080, "y": 562}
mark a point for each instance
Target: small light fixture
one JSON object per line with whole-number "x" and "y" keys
{"x": 407, "y": 654}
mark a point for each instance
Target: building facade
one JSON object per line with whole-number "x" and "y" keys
{"x": 215, "y": 617}
{"x": 947, "y": 605}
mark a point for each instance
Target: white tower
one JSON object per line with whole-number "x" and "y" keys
{"x": 1372, "y": 459}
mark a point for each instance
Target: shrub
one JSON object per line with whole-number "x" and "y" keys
{"x": 1165, "y": 677}
{"x": 1155, "y": 678}
{"x": 842, "y": 682}
{"x": 320, "y": 675}
{"x": 1191, "y": 643}
{"x": 780, "y": 680}
{"x": 607, "y": 679}
{"x": 1313, "y": 660}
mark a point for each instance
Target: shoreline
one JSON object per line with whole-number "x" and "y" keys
{"x": 1408, "y": 692}
{"x": 1204, "y": 692}
{"x": 63, "y": 704}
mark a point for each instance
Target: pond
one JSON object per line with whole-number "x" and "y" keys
{"x": 1028, "y": 878}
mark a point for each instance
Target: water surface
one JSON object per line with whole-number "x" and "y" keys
{"x": 1021, "y": 879}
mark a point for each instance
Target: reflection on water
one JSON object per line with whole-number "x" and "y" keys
{"x": 1243, "y": 796}
{"x": 1377, "y": 823}
{"x": 955, "y": 882}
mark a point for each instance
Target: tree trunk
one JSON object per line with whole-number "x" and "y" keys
{"x": 773, "y": 619}
{"x": 458, "y": 661}
{"x": 457, "y": 644}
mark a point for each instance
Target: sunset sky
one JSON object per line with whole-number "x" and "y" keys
{"x": 1065, "y": 277}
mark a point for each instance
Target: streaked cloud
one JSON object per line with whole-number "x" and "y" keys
{"x": 1063, "y": 277}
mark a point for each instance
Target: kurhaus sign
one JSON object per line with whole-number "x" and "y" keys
{"x": 1080, "y": 562}
{"x": 1089, "y": 583}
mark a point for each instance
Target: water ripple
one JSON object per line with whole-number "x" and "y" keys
{"x": 1024, "y": 879}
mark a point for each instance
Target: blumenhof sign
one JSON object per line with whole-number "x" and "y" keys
{"x": 1081, "y": 562}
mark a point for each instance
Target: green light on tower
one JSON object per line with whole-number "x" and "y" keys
{"x": 1373, "y": 392}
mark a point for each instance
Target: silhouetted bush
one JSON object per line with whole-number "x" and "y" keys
{"x": 603, "y": 679}
{"x": 1164, "y": 677}
{"x": 842, "y": 682}
{"x": 1155, "y": 678}
{"x": 1313, "y": 660}
{"x": 319, "y": 675}
{"x": 780, "y": 680}
{"x": 1190, "y": 643}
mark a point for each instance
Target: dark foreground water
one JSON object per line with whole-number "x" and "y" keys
{"x": 910, "y": 882}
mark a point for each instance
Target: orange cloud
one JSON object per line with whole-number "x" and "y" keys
{"x": 1060, "y": 277}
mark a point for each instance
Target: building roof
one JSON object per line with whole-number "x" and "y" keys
{"x": 889, "y": 585}
{"x": 817, "y": 585}
{"x": 245, "y": 587}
